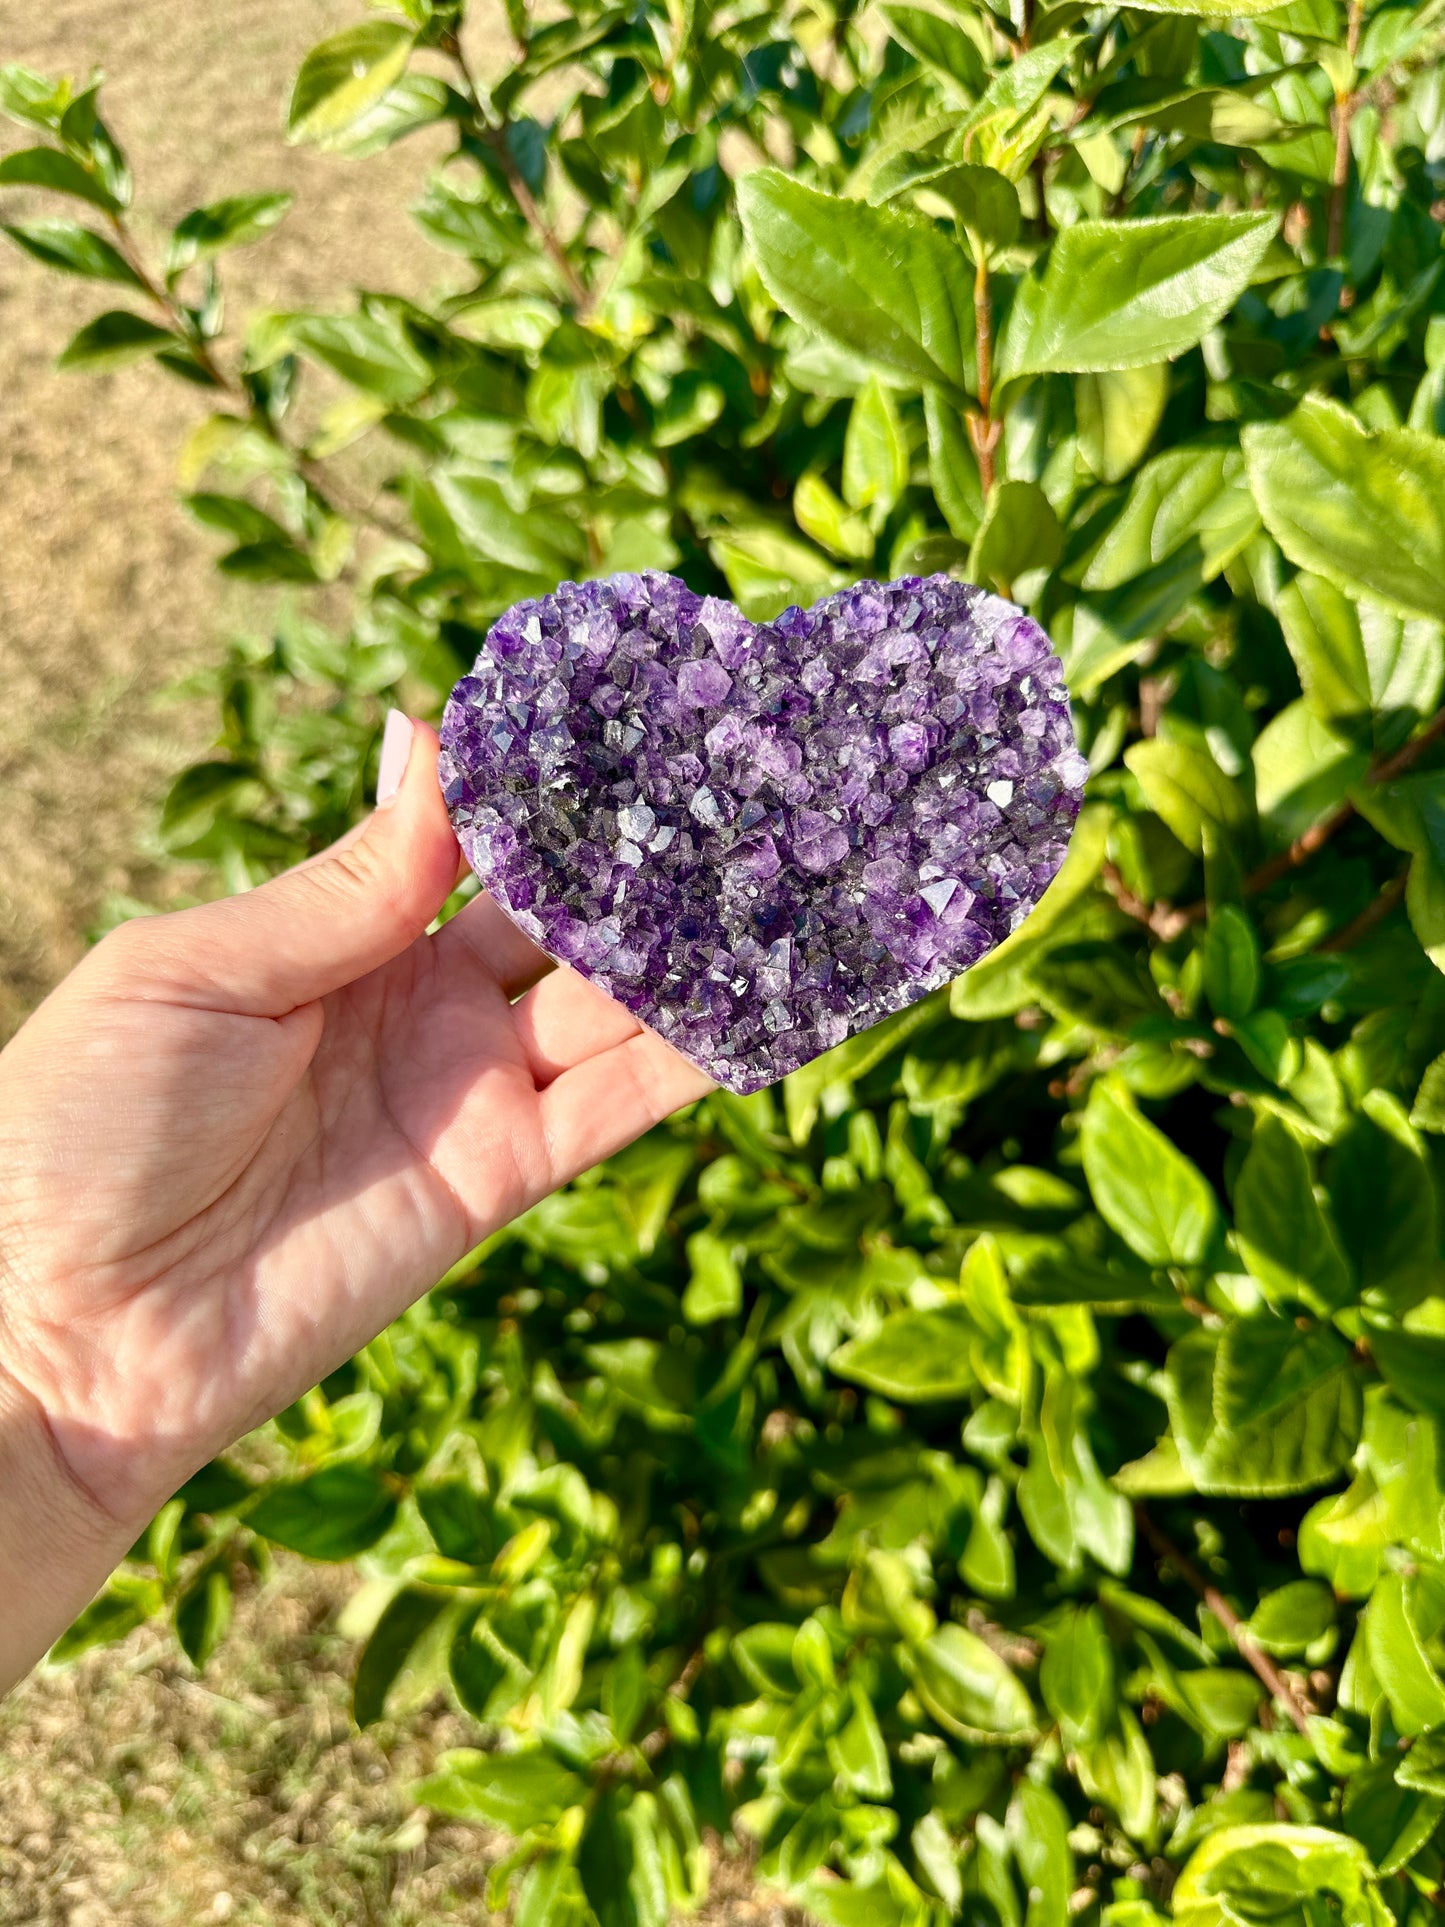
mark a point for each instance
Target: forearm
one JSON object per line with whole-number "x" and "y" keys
{"x": 57, "y": 1547}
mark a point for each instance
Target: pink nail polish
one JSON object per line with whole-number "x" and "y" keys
{"x": 396, "y": 744}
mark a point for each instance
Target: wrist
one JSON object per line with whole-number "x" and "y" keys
{"x": 58, "y": 1544}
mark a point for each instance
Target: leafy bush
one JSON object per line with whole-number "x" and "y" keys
{"x": 1001, "y": 1469}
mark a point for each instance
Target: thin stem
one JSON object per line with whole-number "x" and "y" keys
{"x": 1278, "y": 1684}
{"x": 983, "y": 430}
{"x": 174, "y": 313}
{"x": 1344, "y": 110}
{"x": 328, "y": 492}
{"x": 494, "y": 133}
{"x": 1349, "y": 934}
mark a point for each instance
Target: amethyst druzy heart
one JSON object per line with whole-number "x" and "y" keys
{"x": 763, "y": 837}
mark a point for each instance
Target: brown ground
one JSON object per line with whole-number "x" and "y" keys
{"x": 134, "y": 1794}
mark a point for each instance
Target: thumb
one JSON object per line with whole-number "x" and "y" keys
{"x": 331, "y": 919}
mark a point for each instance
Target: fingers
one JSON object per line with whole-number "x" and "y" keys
{"x": 319, "y": 926}
{"x": 603, "y": 1103}
{"x": 566, "y": 1020}
{"x": 482, "y": 933}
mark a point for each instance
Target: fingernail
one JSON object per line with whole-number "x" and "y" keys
{"x": 396, "y": 742}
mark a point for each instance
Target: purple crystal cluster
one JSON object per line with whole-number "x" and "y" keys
{"x": 761, "y": 837}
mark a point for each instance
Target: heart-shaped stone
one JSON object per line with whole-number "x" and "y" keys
{"x": 763, "y": 837}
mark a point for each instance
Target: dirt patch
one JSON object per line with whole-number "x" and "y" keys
{"x": 136, "y": 1793}
{"x": 106, "y": 590}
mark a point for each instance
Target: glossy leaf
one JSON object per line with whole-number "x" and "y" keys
{"x": 893, "y": 288}
{"x": 1145, "y": 1189}
{"x": 232, "y": 223}
{"x": 1114, "y": 296}
{"x": 1366, "y": 511}
{"x": 74, "y": 250}
{"x": 345, "y": 76}
{"x": 114, "y": 338}
{"x": 61, "y": 173}
{"x": 1284, "y": 1235}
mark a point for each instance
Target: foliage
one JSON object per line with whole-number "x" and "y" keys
{"x": 1002, "y": 1470}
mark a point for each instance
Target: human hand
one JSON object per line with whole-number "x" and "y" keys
{"x": 239, "y": 1140}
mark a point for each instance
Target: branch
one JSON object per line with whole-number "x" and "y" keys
{"x": 1278, "y": 1684}
{"x": 495, "y": 135}
{"x": 329, "y": 493}
{"x": 983, "y": 430}
{"x": 1350, "y": 933}
{"x": 1344, "y": 110}
{"x": 1168, "y": 923}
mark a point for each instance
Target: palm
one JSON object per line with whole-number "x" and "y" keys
{"x": 285, "y": 1196}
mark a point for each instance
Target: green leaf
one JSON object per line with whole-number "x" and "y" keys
{"x": 414, "y": 101}
{"x": 203, "y": 1613}
{"x": 1188, "y": 789}
{"x": 1285, "y": 1236}
{"x": 859, "y": 1753}
{"x": 1412, "y": 1364}
{"x": 1302, "y": 771}
{"x": 819, "y": 513}
{"x": 1125, "y": 294}
{"x": 967, "y": 1688}
{"x": 915, "y": 1356}
{"x": 1398, "y": 1656}
{"x": 940, "y": 44}
{"x": 115, "y": 338}
{"x": 1068, "y": 1506}
{"x": 1392, "y": 1822}
{"x": 1231, "y": 963}
{"x": 74, "y": 250}
{"x": 32, "y": 99}
{"x": 1189, "y": 503}
{"x": 407, "y": 1617}
{"x": 983, "y": 201}
{"x": 1213, "y": 9}
{"x": 715, "y": 1288}
{"x": 48, "y": 167}
{"x": 1275, "y": 1872}
{"x": 1263, "y": 1409}
{"x": 1077, "y": 1675}
{"x": 517, "y": 1791}
{"x": 1020, "y": 533}
{"x": 892, "y": 289}
{"x": 1292, "y": 1618}
{"x": 127, "y": 1602}
{"x": 768, "y": 569}
{"x": 1118, "y": 414}
{"x": 875, "y": 454}
{"x": 371, "y": 353}
{"x": 1428, "y": 1113}
{"x": 1366, "y": 511}
{"x": 232, "y": 223}
{"x": 1099, "y": 984}
{"x": 1384, "y": 1202}
{"x": 345, "y": 76}
{"x": 335, "y": 1514}
{"x": 1038, "y": 1831}
{"x": 1367, "y": 674}
{"x": 1150, "y": 1193}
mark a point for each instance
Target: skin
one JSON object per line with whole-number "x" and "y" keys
{"x": 239, "y": 1140}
